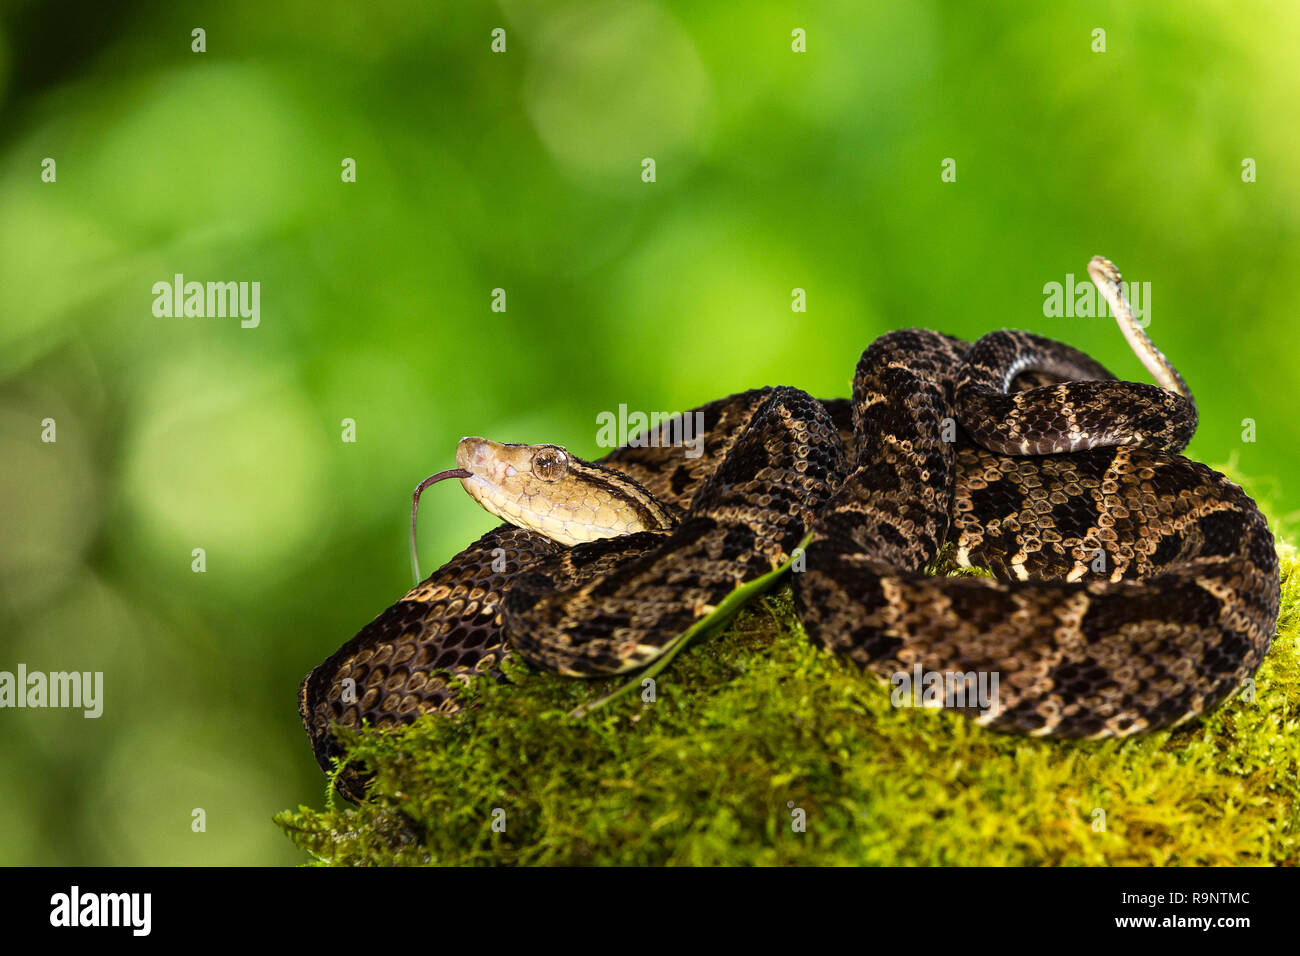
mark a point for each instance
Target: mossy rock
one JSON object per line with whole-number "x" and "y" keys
{"x": 755, "y": 724}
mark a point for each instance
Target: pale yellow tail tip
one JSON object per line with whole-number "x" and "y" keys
{"x": 1103, "y": 270}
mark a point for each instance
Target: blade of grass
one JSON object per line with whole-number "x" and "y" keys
{"x": 716, "y": 618}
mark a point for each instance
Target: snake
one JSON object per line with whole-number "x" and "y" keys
{"x": 1126, "y": 588}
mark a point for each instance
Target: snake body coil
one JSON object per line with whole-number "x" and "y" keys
{"x": 1133, "y": 589}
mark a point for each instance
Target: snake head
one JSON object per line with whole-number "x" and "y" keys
{"x": 509, "y": 465}
{"x": 545, "y": 489}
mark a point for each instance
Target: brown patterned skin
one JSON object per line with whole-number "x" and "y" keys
{"x": 1179, "y": 611}
{"x": 401, "y": 661}
{"x": 612, "y": 605}
{"x": 449, "y": 625}
{"x": 1138, "y": 588}
{"x": 1085, "y": 411}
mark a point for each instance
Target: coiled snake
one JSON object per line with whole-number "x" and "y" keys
{"x": 1133, "y": 589}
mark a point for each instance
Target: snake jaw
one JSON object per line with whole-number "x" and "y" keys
{"x": 545, "y": 489}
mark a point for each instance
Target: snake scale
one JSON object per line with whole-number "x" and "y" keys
{"x": 1132, "y": 588}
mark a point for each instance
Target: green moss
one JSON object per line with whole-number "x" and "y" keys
{"x": 755, "y": 721}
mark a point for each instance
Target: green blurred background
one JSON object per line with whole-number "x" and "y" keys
{"x": 522, "y": 171}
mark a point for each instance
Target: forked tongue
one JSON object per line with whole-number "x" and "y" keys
{"x": 415, "y": 510}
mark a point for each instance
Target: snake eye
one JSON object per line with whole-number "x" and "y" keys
{"x": 550, "y": 463}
